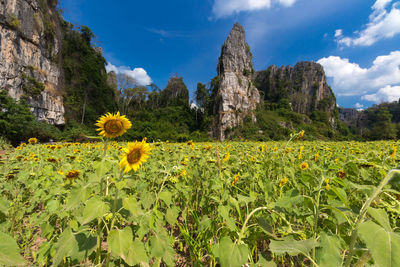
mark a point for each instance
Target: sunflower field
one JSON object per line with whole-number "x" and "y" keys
{"x": 292, "y": 203}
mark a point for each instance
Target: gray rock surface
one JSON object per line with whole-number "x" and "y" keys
{"x": 30, "y": 45}
{"x": 237, "y": 96}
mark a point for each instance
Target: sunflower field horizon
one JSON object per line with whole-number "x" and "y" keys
{"x": 285, "y": 203}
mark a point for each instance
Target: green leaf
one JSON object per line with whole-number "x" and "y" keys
{"x": 86, "y": 245}
{"x": 157, "y": 246}
{"x": 9, "y": 251}
{"x": 166, "y": 196}
{"x": 4, "y": 205}
{"x": 384, "y": 245}
{"x": 230, "y": 254}
{"x": 95, "y": 208}
{"x": 224, "y": 213}
{"x": 65, "y": 246}
{"x": 76, "y": 197}
{"x": 328, "y": 254}
{"x": 204, "y": 223}
{"x": 381, "y": 217}
{"x": 171, "y": 215}
{"x": 137, "y": 254}
{"x": 130, "y": 203}
{"x": 119, "y": 242}
{"x": 340, "y": 193}
{"x": 262, "y": 262}
{"x": 292, "y": 247}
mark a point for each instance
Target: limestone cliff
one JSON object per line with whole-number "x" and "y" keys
{"x": 30, "y": 45}
{"x": 303, "y": 85}
{"x": 235, "y": 95}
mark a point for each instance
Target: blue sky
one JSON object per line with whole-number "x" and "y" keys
{"x": 357, "y": 41}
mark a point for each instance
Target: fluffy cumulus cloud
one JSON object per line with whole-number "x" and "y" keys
{"x": 358, "y": 105}
{"x": 386, "y": 94}
{"x": 377, "y": 83}
{"x": 225, "y": 8}
{"x": 383, "y": 23}
{"x": 139, "y": 74}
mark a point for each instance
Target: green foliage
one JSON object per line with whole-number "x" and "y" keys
{"x": 14, "y": 22}
{"x": 4, "y": 143}
{"x": 87, "y": 94}
{"x": 15, "y": 119}
{"x": 187, "y": 206}
{"x": 32, "y": 86}
{"x": 175, "y": 93}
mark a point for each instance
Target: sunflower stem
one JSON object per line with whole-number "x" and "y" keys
{"x": 363, "y": 212}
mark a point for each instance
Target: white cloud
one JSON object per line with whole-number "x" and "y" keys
{"x": 383, "y": 24}
{"x": 139, "y": 74}
{"x": 351, "y": 79}
{"x": 338, "y": 32}
{"x": 358, "y": 105}
{"x": 385, "y": 94}
{"x": 225, "y": 8}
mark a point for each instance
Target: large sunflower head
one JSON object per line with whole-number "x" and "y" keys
{"x": 135, "y": 154}
{"x": 112, "y": 126}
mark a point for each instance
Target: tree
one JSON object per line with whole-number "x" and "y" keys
{"x": 201, "y": 95}
{"x": 15, "y": 119}
{"x": 125, "y": 90}
{"x": 382, "y": 127}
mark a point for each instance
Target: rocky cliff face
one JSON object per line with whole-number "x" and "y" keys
{"x": 303, "y": 85}
{"x": 236, "y": 96}
{"x": 30, "y": 44}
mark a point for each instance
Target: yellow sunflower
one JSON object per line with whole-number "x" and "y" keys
{"x": 112, "y": 126}
{"x": 135, "y": 154}
{"x": 32, "y": 140}
{"x": 283, "y": 181}
{"x": 304, "y": 166}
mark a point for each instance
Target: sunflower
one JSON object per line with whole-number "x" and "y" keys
{"x": 226, "y": 157}
{"x": 32, "y": 140}
{"x": 111, "y": 125}
{"x": 304, "y": 166}
{"x": 135, "y": 154}
{"x": 72, "y": 174}
{"x": 236, "y": 178}
{"x": 283, "y": 181}
{"x": 301, "y": 134}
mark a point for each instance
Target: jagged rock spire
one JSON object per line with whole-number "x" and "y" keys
{"x": 236, "y": 97}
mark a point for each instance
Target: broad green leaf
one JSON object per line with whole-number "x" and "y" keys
{"x": 384, "y": 245}
{"x": 137, "y": 254}
{"x": 267, "y": 228}
{"x": 86, "y": 245}
{"x": 262, "y": 262}
{"x": 157, "y": 246}
{"x": 147, "y": 200}
{"x": 381, "y": 217}
{"x": 65, "y": 246}
{"x": 340, "y": 193}
{"x": 166, "y": 196}
{"x": 9, "y": 251}
{"x": 4, "y": 205}
{"x": 292, "y": 247}
{"x": 328, "y": 254}
{"x": 171, "y": 215}
{"x": 224, "y": 213}
{"x": 230, "y": 254}
{"x": 95, "y": 208}
{"x": 119, "y": 242}
{"x": 130, "y": 203}
{"x": 76, "y": 197}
